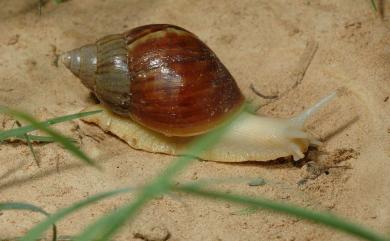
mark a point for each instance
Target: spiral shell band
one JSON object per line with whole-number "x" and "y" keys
{"x": 112, "y": 76}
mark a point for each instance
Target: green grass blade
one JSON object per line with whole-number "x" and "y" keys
{"x": 28, "y": 207}
{"x": 373, "y": 4}
{"x": 105, "y": 227}
{"x": 318, "y": 217}
{"x": 39, "y": 139}
{"x": 44, "y": 127}
{"x": 28, "y": 140}
{"x": 22, "y": 206}
{"x": 32, "y": 149}
{"x": 37, "y": 231}
{"x": 17, "y": 132}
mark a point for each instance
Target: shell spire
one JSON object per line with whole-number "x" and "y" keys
{"x": 82, "y": 63}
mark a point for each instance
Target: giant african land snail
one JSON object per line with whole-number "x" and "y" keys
{"x": 159, "y": 85}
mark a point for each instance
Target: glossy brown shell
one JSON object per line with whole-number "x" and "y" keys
{"x": 166, "y": 79}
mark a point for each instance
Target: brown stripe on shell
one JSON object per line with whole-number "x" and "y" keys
{"x": 179, "y": 87}
{"x": 87, "y": 72}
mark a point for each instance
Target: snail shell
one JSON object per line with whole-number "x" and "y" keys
{"x": 161, "y": 76}
{"x": 160, "y": 85}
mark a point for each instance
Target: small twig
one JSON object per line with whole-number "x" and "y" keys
{"x": 6, "y": 90}
{"x": 40, "y": 3}
{"x": 374, "y": 5}
{"x": 55, "y": 56}
{"x": 303, "y": 65}
{"x": 299, "y": 73}
{"x": 381, "y": 8}
{"x": 304, "y": 62}
{"x": 32, "y": 149}
{"x": 30, "y": 145}
{"x": 252, "y": 87}
{"x": 97, "y": 139}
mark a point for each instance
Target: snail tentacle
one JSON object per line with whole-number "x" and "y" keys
{"x": 302, "y": 117}
{"x": 299, "y": 134}
{"x": 296, "y": 151}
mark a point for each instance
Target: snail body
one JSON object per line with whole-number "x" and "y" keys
{"x": 160, "y": 87}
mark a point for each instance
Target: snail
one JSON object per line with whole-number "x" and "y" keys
{"x": 160, "y": 87}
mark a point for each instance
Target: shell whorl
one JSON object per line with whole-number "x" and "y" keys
{"x": 82, "y": 62}
{"x": 112, "y": 74}
{"x": 102, "y": 67}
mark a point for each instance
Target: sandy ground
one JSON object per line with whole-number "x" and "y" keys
{"x": 269, "y": 44}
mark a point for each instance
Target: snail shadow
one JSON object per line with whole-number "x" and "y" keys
{"x": 33, "y": 176}
{"x": 11, "y": 171}
{"x": 279, "y": 163}
{"x": 8, "y": 179}
{"x": 336, "y": 131}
